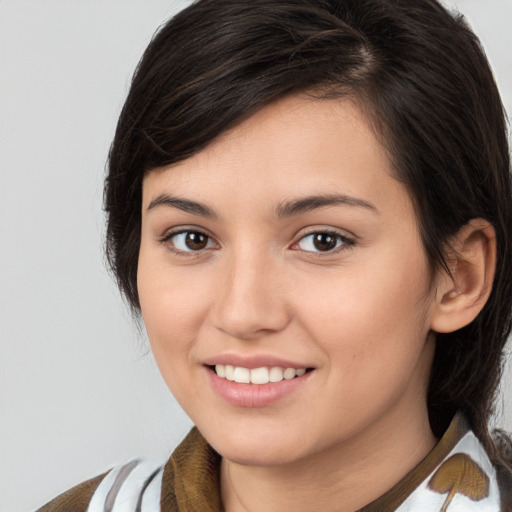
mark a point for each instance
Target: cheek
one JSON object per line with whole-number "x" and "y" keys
{"x": 171, "y": 311}
{"x": 375, "y": 311}
{"x": 172, "y": 308}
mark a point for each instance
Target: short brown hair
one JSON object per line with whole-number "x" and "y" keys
{"x": 421, "y": 74}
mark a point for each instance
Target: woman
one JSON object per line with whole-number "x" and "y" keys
{"x": 309, "y": 204}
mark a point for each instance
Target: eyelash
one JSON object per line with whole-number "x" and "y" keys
{"x": 346, "y": 242}
{"x": 173, "y": 249}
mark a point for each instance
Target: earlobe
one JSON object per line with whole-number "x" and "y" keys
{"x": 472, "y": 262}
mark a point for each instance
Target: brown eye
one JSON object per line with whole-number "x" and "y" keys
{"x": 190, "y": 241}
{"x": 322, "y": 241}
{"x": 195, "y": 240}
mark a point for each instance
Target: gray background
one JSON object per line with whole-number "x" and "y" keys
{"x": 79, "y": 391}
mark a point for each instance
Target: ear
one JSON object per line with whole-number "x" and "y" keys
{"x": 472, "y": 262}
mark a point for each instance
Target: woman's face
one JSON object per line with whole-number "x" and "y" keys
{"x": 287, "y": 243}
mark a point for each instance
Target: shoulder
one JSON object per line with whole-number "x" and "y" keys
{"x": 76, "y": 499}
{"x": 130, "y": 487}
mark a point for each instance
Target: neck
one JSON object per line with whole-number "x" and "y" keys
{"x": 342, "y": 479}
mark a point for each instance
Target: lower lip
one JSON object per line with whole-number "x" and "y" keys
{"x": 255, "y": 395}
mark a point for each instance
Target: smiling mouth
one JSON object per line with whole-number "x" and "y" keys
{"x": 258, "y": 376}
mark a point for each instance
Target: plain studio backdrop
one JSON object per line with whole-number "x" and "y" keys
{"x": 79, "y": 391}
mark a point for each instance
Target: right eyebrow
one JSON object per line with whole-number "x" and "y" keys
{"x": 185, "y": 205}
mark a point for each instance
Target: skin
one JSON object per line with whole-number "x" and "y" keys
{"x": 360, "y": 315}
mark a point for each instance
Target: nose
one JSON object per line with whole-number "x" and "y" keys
{"x": 251, "y": 298}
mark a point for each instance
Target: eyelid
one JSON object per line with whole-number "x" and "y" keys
{"x": 176, "y": 230}
{"x": 185, "y": 229}
{"x": 348, "y": 241}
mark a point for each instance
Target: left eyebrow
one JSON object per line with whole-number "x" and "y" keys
{"x": 306, "y": 204}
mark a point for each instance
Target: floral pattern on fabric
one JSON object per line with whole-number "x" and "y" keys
{"x": 465, "y": 481}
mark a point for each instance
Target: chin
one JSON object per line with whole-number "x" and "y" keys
{"x": 258, "y": 455}
{"x": 251, "y": 447}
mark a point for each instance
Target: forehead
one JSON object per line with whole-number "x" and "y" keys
{"x": 294, "y": 147}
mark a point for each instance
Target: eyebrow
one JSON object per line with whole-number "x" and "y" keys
{"x": 282, "y": 210}
{"x": 182, "y": 204}
{"x": 306, "y": 204}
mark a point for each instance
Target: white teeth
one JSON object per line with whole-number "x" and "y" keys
{"x": 289, "y": 373}
{"x": 229, "y": 371}
{"x": 261, "y": 375}
{"x": 276, "y": 374}
{"x": 242, "y": 375}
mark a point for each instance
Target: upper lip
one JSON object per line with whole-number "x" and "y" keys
{"x": 253, "y": 361}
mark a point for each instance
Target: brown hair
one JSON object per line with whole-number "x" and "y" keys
{"x": 424, "y": 80}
